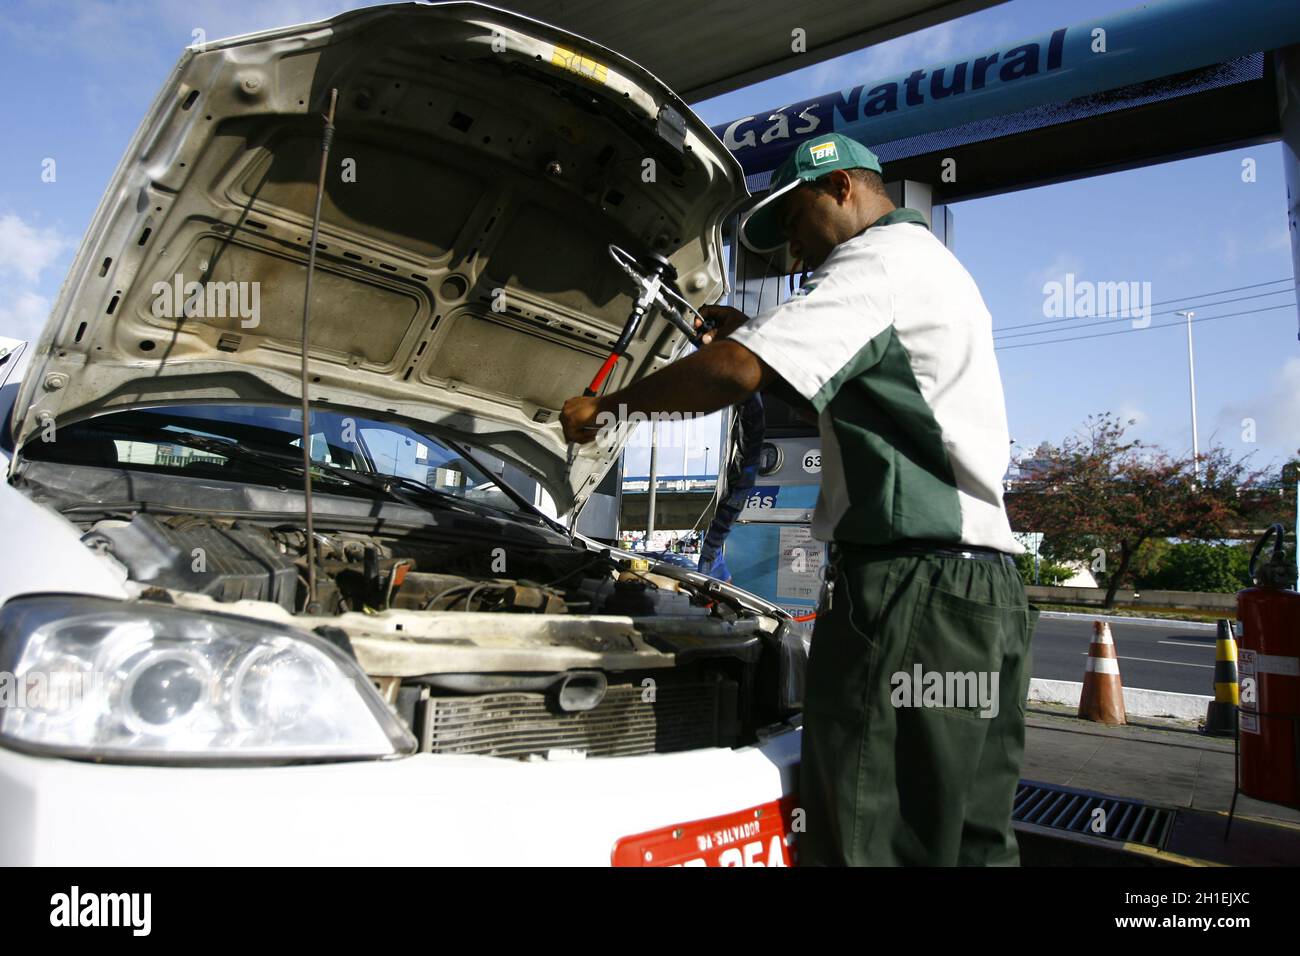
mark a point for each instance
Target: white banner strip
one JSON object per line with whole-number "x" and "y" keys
{"x": 1273, "y": 664}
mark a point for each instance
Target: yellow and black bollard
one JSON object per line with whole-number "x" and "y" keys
{"x": 1221, "y": 715}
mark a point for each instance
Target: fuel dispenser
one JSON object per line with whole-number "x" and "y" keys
{"x": 771, "y": 550}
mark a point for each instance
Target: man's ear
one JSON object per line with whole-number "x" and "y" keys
{"x": 843, "y": 184}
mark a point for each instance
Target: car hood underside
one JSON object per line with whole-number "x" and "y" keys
{"x": 483, "y": 162}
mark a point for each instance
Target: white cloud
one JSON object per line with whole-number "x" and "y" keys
{"x": 1231, "y": 253}
{"x": 26, "y": 251}
{"x": 102, "y": 29}
{"x": 220, "y": 19}
{"x": 1181, "y": 260}
{"x": 1055, "y": 270}
{"x": 1131, "y": 410}
{"x": 933, "y": 46}
{"x": 1287, "y": 393}
{"x": 915, "y": 50}
{"x": 1274, "y": 410}
{"x": 1275, "y": 239}
{"x": 22, "y": 315}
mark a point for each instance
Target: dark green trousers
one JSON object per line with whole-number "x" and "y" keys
{"x": 914, "y": 712}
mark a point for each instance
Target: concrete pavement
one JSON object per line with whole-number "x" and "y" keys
{"x": 1166, "y": 763}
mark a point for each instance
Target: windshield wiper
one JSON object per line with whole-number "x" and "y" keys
{"x": 424, "y": 491}
{"x": 525, "y": 508}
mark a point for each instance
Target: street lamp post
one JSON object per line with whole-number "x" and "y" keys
{"x": 686, "y": 451}
{"x": 1191, "y": 380}
{"x": 654, "y": 482}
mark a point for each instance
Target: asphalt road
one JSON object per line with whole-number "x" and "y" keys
{"x": 1155, "y": 655}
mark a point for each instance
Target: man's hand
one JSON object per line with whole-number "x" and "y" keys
{"x": 724, "y": 317}
{"x": 578, "y": 416}
{"x": 713, "y": 377}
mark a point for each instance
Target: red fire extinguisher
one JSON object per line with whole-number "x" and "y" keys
{"x": 1268, "y": 668}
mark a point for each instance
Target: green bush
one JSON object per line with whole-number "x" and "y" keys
{"x": 1048, "y": 573}
{"x": 1197, "y": 566}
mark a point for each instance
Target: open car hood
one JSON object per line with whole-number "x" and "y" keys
{"x": 483, "y": 162}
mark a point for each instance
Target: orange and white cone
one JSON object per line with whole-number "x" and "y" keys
{"x": 1102, "y": 697}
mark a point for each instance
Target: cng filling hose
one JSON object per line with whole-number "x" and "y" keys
{"x": 655, "y": 281}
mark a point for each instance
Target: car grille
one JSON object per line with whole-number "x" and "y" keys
{"x": 683, "y": 716}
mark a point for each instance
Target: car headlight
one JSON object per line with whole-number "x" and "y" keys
{"x": 90, "y": 677}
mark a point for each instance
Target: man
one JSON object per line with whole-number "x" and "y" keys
{"x": 914, "y": 697}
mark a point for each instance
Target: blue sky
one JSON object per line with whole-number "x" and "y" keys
{"x": 1188, "y": 228}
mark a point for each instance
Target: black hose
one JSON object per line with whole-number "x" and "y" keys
{"x": 602, "y": 556}
{"x": 1277, "y": 547}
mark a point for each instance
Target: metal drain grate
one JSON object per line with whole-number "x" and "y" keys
{"x": 1062, "y": 808}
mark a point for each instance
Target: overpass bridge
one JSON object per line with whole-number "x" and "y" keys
{"x": 682, "y": 502}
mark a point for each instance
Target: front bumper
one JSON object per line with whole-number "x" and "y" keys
{"x": 422, "y": 810}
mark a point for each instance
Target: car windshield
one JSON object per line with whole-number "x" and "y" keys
{"x": 262, "y": 444}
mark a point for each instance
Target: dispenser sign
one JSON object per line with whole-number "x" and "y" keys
{"x": 802, "y": 556}
{"x": 762, "y": 497}
{"x": 1247, "y": 721}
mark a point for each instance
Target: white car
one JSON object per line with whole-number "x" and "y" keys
{"x": 465, "y": 680}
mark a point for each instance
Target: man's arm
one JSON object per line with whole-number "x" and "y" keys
{"x": 721, "y": 373}
{"x": 727, "y": 320}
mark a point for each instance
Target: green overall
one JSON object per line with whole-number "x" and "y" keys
{"x": 887, "y": 779}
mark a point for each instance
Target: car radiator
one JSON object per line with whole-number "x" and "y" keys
{"x": 678, "y": 715}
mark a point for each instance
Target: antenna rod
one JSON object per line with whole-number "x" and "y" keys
{"x": 326, "y": 140}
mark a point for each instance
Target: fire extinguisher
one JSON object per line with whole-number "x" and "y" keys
{"x": 1269, "y": 672}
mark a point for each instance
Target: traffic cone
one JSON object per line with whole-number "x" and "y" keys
{"x": 1102, "y": 697}
{"x": 1221, "y": 714}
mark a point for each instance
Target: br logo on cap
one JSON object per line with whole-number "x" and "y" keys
{"x": 824, "y": 153}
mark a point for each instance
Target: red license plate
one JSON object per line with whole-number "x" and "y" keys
{"x": 759, "y": 836}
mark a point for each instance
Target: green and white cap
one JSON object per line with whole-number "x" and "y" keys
{"x": 812, "y": 159}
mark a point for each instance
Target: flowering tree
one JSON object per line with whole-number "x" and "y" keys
{"x": 1099, "y": 497}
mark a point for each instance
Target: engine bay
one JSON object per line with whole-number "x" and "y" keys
{"x": 233, "y": 560}
{"x": 484, "y": 646}
{"x": 486, "y": 634}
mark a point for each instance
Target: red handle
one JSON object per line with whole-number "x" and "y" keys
{"x": 599, "y": 380}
